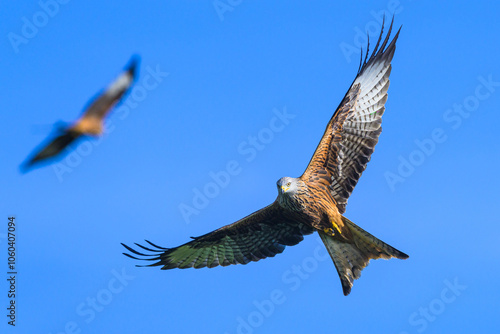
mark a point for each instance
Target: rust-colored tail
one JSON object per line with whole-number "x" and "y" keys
{"x": 352, "y": 257}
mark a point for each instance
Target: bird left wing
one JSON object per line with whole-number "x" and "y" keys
{"x": 262, "y": 234}
{"x": 352, "y": 133}
{"x": 52, "y": 149}
{"x": 103, "y": 103}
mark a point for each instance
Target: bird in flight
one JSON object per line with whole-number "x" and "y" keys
{"x": 91, "y": 123}
{"x": 313, "y": 202}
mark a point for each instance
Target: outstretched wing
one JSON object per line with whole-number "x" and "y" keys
{"x": 352, "y": 133}
{"x": 262, "y": 234}
{"x": 103, "y": 102}
{"x": 52, "y": 149}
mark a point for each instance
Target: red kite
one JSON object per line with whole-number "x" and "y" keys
{"x": 315, "y": 201}
{"x": 91, "y": 123}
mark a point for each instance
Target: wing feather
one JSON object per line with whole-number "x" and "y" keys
{"x": 262, "y": 234}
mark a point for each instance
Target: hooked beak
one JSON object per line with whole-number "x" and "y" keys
{"x": 284, "y": 189}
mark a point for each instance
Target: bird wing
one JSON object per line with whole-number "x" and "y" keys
{"x": 103, "y": 102}
{"x": 352, "y": 132}
{"x": 262, "y": 234}
{"x": 53, "y": 148}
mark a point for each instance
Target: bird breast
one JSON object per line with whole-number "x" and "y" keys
{"x": 89, "y": 126}
{"x": 291, "y": 201}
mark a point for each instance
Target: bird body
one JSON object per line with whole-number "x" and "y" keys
{"x": 88, "y": 125}
{"x": 313, "y": 202}
{"x": 350, "y": 247}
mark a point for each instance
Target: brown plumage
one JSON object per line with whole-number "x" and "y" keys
{"x": 316, "y": 200}
{"x": 91, "y": 123}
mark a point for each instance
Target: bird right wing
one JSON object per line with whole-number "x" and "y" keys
{"x": 102, "y": 103}
{"x": 262, "y": 234}
{"x": 353, "y": 131}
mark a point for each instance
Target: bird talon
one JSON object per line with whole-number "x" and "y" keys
{"x": 329, "y": 231}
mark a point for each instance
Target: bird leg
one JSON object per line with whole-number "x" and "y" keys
{"x": 328, "y": 225}
{"x": 330, "y": 231}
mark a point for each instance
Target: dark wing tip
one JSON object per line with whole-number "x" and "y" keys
{"x": 26, "y": 166}
{"x": 147, "y": 248}
{"x": 132, "y": 67}
{"x": 50, "y": 148}
{"x": 152, "y": 244}
{"x": 381, "y": 49}
{"x": 156, "y": 256}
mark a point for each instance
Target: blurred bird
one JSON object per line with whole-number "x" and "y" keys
{"x": 316, "y": 200}
{"x": 91, "y": 123}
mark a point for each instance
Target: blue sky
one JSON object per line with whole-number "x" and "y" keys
{"x": 213, "y": 76}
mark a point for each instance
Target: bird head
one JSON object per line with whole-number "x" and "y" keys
{"x": 287, "y": 185}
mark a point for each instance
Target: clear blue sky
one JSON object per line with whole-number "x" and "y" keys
{"x": 430, "y": 189}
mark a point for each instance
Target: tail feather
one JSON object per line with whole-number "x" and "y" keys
{"x": 376, "y": 248}
{"x": 351, "y": 258}
{"x": 348, "y": 260}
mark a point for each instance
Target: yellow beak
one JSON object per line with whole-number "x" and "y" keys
{"x": 284, "y": 188}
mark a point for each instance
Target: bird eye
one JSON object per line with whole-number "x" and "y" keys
{"x": 288, "y": 184}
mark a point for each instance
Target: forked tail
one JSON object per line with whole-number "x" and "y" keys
{"x": 352, "y": 257}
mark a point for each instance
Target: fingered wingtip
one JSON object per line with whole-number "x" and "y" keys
{"x": 130, "y": 249}
{"x": 29, "y": 164}
{"x": 130, "y": 256}
{"x": 156, "y": 256}
{"x": 382, "y": 47}
{"x": 152, "y": 244}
